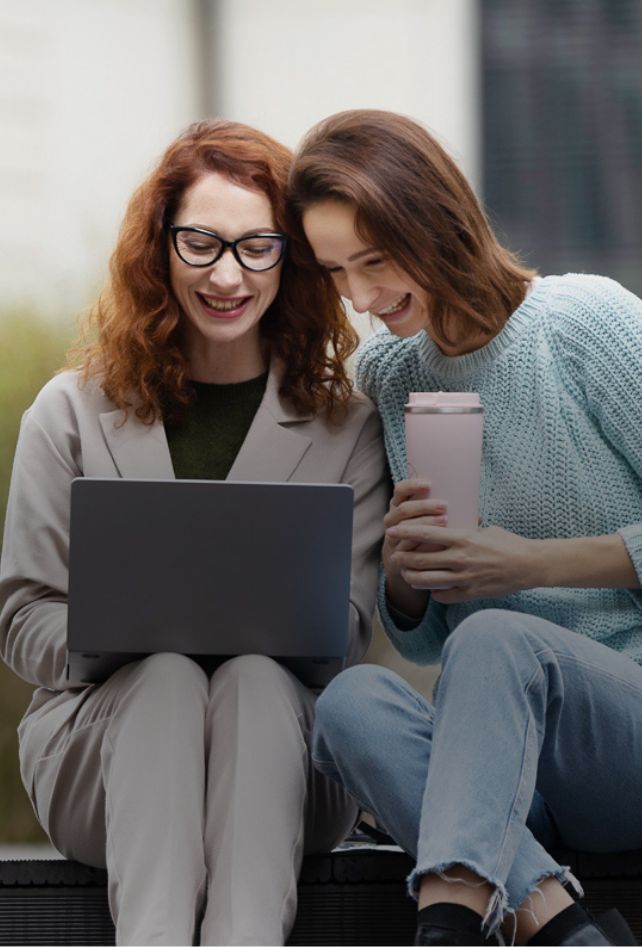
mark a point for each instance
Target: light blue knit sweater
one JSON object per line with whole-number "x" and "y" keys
{"x": 561, "y": 386}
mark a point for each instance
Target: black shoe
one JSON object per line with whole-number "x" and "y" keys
{"x": 575, "y": 927}
{"x": 616, "y": 928}
{"x": 453, "y": 924}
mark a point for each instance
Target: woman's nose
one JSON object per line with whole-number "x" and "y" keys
{"x": 360, "y": 293}
{"x": 227, "y": 272}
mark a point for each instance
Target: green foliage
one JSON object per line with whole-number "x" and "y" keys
{"x": 17, "y": 821}
{"x": 31, "y": 350}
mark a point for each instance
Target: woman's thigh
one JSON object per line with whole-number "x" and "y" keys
{"x": 64, "y": 750}
{"x": 515, "y": 684}
{"x": 259, "y": 733}
{"x": 590, "y": 768}
{"x": 63, "y": 774}
{"x": 374, "y": 736}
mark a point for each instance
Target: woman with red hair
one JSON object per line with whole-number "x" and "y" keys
{"x": 213, "y": 354}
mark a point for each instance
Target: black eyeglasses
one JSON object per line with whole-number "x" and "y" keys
{"x": 198, "y": 247}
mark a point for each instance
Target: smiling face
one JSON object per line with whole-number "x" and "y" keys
{"x": 363, "y": 273}
{"x": 223, "y": 304}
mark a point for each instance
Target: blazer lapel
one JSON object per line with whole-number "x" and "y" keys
{"x": 273, "y": 447}
{"x": 271, "y": 451}
{"x": 139, "y": 451}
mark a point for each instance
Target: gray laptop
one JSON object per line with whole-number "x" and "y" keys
{"x": 210, "y": 569}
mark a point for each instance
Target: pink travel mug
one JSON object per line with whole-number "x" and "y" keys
{"x": 444, "y": 444}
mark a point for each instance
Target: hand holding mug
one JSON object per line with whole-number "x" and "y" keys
{"x": 411, "y": 503}
{"x": 464, "y": 564}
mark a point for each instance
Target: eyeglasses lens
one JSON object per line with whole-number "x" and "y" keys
{"x": 259, "y": 253}
{"x": 255, "y": 253}
{"x": 198, "y": 249}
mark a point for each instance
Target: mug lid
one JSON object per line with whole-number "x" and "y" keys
{"x": 444, "y": 402}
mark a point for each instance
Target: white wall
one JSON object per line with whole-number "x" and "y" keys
{"x": 91, "y": 92}
{"x": 286, "y": 64}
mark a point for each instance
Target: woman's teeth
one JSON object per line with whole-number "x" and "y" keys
{"x": 395, "y": 307}
{"x": 224, "y": 306}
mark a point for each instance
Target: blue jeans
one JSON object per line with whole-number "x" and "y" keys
{"x": 535, "y": 737}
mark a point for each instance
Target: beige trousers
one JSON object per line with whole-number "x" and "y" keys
{"x": 197, "y": 794}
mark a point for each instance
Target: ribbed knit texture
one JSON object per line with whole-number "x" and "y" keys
{"x": 561, "y": 387}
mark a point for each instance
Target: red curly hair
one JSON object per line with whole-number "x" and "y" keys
{"x": 135, "y": 326}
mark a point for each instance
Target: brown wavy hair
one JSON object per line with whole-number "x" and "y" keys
{"x": 131, "y": 337}
{"x": 412, "y": 201}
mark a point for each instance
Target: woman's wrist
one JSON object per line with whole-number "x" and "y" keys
{"x": 411, "y": 603}
{"x": 583, "y": 562}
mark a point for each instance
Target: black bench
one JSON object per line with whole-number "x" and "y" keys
{"x": 352, "y": 896}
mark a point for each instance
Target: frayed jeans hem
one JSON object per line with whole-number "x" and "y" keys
{"x": 497, "y": 903}
{"x": 563, "y": 874}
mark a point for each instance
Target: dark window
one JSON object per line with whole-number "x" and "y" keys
{"x": 562, "y": 133}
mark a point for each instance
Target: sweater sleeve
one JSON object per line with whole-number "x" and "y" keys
{"x": 371, "y": 362}
{"x": 421, "y": 644}
{"x": 599, "y": 343}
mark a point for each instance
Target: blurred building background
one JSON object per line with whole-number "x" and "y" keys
{"x": 540, "y": 101}
{"x": 562, "y": 132}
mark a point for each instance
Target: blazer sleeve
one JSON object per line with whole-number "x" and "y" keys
{"x": 34, "y": 564}
{"x": 367, "y": 472}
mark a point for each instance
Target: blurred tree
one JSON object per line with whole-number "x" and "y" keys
{"x": 30, "y": 352}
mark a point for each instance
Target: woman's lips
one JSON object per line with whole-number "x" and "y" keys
{"x": 223, "y": 308}
{"x": 396, "y": 311}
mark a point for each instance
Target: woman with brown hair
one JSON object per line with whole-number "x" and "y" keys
{"x": 215, "y": 355}
{"x": 535, "y": 736}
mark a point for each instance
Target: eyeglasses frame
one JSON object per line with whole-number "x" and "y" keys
{"x": 227, "y": 245}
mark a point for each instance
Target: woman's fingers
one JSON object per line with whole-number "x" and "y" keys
{"x": 408, "y": 490}
{"x": 411, "y": 504}
{"x": 418, "y": 531}
{"x": 411, "y": 501}
{"x": 428, "y": 580}
{"x": 420, "y": 515}
{"x": 482, "y": 563}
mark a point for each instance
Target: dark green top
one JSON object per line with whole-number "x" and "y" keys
{"x": 204, "y": 444}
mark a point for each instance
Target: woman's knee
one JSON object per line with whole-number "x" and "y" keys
{"x": 487, "y": 623}
{"x": 165, "y": 680}
{"x": 168, "y": 669}
{"x": 251, "y": 669}
{"x": 490, "y": 634}
{"x": 255, "y": 679}
{"x": 263, "y": 689}
{"x": 349, "y": 711}
{"x": 351, "y": 692}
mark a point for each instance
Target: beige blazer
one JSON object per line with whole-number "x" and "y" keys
{"x": 71, "y": 431}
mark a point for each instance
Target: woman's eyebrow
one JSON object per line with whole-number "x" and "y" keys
{"x": 355, "y": 256}
{"x": 246, "y": 233}
{"x": 351, "y": 259}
